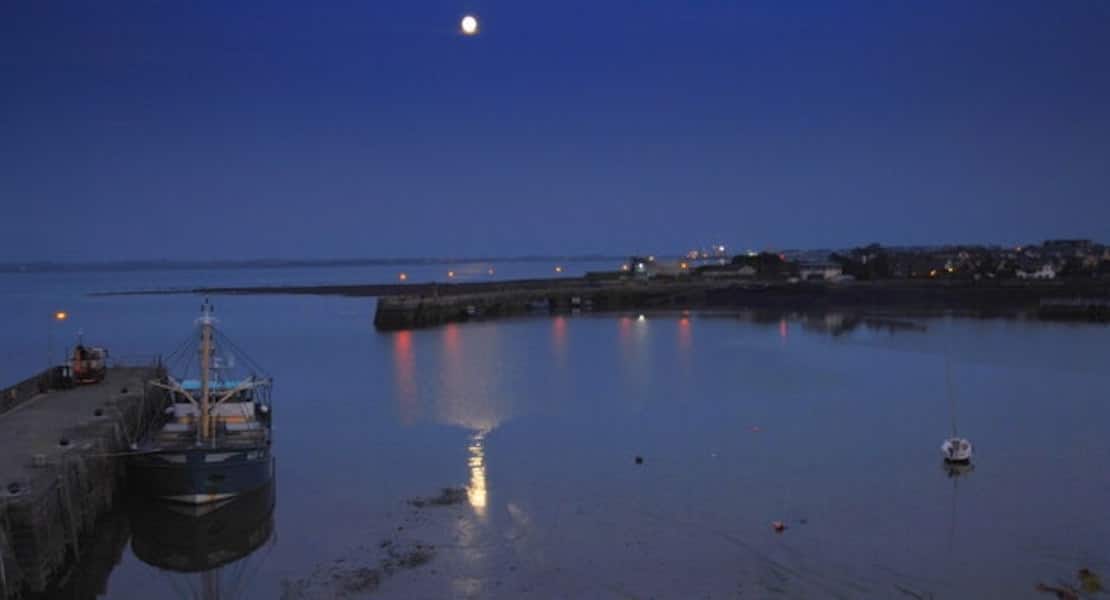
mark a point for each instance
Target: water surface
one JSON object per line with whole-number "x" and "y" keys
{"x": 739, "y": 421}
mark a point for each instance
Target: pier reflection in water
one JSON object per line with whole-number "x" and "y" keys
{"x": 214, "y": 553}
{"x": 209, "y": 555}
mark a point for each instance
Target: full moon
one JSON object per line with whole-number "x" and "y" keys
{"x": 469, "y": 25}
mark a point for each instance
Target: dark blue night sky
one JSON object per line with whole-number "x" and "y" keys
{"x": 340, "y": 129}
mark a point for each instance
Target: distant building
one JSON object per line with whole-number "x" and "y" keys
{"x": 1047, "y": 271}
{"x": 649, "y": 268}
{"x": 819, "y": 271}
{"x": 767, "y": 265}
{"x": 727, "y": 271}
{"x": 1066, "y": 244}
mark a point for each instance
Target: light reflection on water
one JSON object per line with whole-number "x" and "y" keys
{"x": 476, "y": 491}
{"x": 404, "y": 360}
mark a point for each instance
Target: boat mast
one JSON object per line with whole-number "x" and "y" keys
{"x": 948, "y": 390}
{"x": 205, "y": 365}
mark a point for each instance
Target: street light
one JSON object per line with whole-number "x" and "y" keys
{"x": 57, "y": 317}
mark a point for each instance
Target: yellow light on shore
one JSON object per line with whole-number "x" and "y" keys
{"x": 558, "y": 269}
{"x": 450, "y": 274}
{"x": 61, "y": 315}
{"x": 403, "y": 276}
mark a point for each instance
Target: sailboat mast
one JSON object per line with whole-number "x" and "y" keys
{"x": 205, "y": 366}
{"x": 948, "y": 389}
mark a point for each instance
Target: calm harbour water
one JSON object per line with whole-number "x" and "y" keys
{"x": 740, "y": 422}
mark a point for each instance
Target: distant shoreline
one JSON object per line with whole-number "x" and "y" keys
{"x": 275, "y": 263}
{"x": 361, "y": 290}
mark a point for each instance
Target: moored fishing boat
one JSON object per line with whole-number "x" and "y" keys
{"x": 214, "y": 443}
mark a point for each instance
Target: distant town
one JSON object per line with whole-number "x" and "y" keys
{"x": 1072, "y": 259}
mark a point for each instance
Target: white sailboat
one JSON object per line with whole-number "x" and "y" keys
{"x": 955, "y": 449}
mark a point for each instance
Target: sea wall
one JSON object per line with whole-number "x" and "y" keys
{"x": 62, "y": 469}
{"x": 978, "y": 298}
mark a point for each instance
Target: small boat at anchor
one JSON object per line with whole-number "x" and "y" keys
{"x": 214, "y": 442}
{"x": 955, "y": 450}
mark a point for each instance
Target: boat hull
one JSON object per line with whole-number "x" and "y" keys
{"x": 199, "y": 475}
{"x": 956, "y": 451}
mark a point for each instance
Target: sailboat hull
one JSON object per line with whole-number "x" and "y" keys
{"x": 956, "y": 451}
{"x": 199, "y": 475}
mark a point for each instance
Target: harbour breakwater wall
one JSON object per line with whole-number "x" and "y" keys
{"x": 404, "y": 312}
{"x": 974, "y": 298}
{"x": 62, "y": 470}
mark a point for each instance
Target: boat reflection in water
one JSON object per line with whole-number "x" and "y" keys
{"x": 217, "y": 543}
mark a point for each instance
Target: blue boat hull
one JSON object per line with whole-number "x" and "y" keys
{"x": 199, "y": 475}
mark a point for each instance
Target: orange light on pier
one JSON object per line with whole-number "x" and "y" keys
{"x": 61, "y": 315}
{"x": 403, "y": 277}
